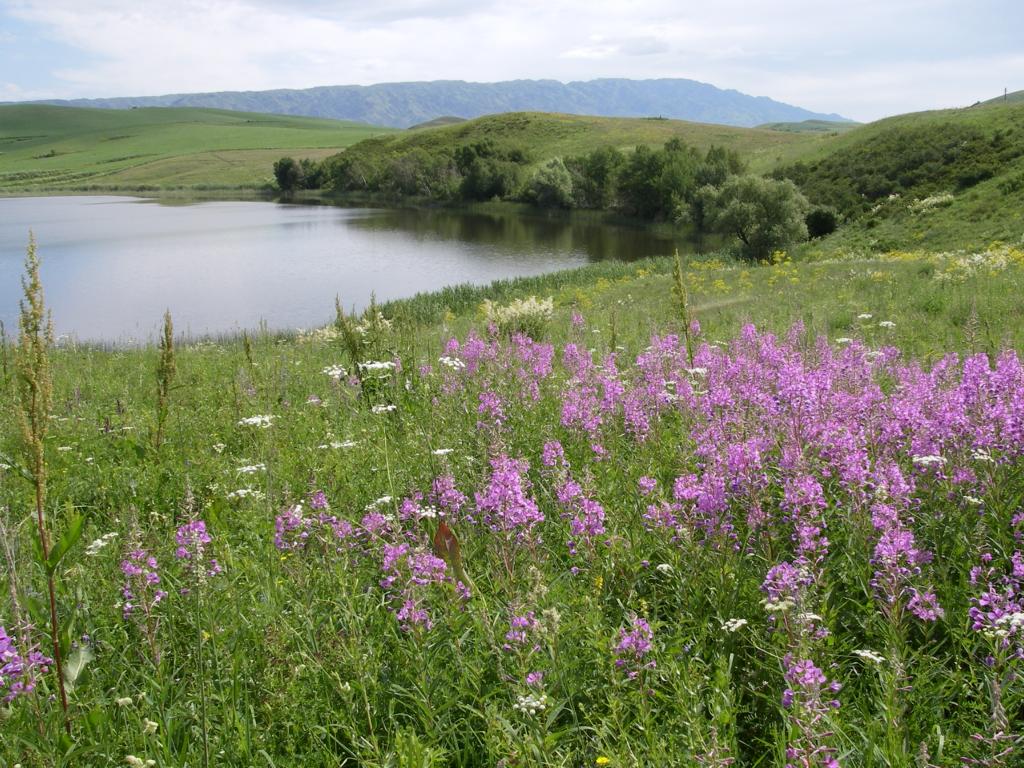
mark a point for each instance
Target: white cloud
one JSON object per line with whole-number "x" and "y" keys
{"x": 825, "y": 55}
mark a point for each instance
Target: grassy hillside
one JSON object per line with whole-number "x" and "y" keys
{"x": 811, "y": 126}
{"x": 47, "y": 147}
{"x": 554, "y": 135}
{"x": 946, "y": 179}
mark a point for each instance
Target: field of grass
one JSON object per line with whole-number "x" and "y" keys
{"x": 551, "y": 135}
{"x": 811, "y": 126}
{"x": 610, "y": 544}
{"x": 46, "y": 147}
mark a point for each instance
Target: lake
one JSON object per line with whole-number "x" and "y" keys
{"x": 112, "y": 265}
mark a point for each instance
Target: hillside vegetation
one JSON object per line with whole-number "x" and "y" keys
{"x": 47, "y": 147}
{"x": 943, "y": 179}
{"x": 542, "y": 136}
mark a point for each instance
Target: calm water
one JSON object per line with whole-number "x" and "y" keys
{"x": 111, "y": 265}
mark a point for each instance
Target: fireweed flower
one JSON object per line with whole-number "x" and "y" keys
{"x": 633, "y": 648}
{"x": 291, "y": 528}
{"x": 408, "y": 575}
{"x": 809, "y": 699}
{"x": 19, "y": 669}
{"x": 141, "y": 590}
{"x": 192, "y": 539}
{"x": 504, "y": 505}
{"x": 898, "y": 565}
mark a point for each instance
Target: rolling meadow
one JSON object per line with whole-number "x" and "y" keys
{"x": 692, "y": 513}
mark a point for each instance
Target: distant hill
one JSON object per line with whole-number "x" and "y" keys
{"x": 1012, "y": 97}
{"x": 47, "y": 147}
{"x": 811, "y": 126}
{"x": 401, "y": 105}
{"x": 547, "y": 135}
{"x": 438, "y": 121}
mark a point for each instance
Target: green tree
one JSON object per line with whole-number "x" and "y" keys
{"x": 763, "y": 214}
{"x": 288, "y": 174}
{"x": 821, "y": 221}
{"x": 595, "y": 177}
{"x": 639, "y": 192}
{"x": 551, "y": 185}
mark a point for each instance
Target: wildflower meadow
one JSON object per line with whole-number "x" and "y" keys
{"x": 654, "y": 514}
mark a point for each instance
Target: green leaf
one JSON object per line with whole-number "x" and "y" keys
{"x": 65, "y": 543}
{"x": 75, "y": 665}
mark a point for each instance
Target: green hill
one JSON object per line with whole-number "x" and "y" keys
{"x": 49, "y": 147}
{"x": 546, "y": 135}
{"x": 438, "y": 121}
{"x": 944, "y": 179}
{"x": 811, "y": 126}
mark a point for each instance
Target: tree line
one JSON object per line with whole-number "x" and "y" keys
{"x": 708, "y": 191}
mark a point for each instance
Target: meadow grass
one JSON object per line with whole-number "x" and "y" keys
{"x": 46, "y": 147}
{"x": 605, "y": 605}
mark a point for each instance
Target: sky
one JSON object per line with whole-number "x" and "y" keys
{"x": 864, "y": 59}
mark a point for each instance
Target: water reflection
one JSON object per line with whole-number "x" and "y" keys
{"x": 111, "y": 265}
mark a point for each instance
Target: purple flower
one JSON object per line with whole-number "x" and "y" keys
{"x": 141, "y": 590}
{"x": 192, "y": 539}
{"x": 19, "y": 669}
{"x": 633, "y": 647}
{"x": 504, "y": 504}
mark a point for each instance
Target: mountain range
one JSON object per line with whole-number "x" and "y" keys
{"x": 401, "y": 105}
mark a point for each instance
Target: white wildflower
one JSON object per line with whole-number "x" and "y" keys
{"x": 336, "y": 444}
{"x": 982, "y": 455}
{"x": 336, "y": 372}
{"x": 124, "y": 701}
{"x": 63, "y": 448}
{"x": 138, "y": 762}
{"x": 245, "y": 493}
{"x": 149, "y": 727}
{"x": 663, "y": 568}
{"x": 887, "y": 324}
{"x": 219, "y": 447}
{"x": 257, "y": 421}
{"x": 378, "y": 409}
{"x": 451, "y": 362}
{"x": 733, "y": 625}
{"x": 871, "y": 656}
{"x": 864, "y": 316}
{"x": 974, "y": 500}
{"x": 697, "y": 371}
{"x": 94, "y": 548}
{"x": 379, "y": 502}
{"x": 382, "y": 365}
{"x": 251, "y": 468}
{"x": 782, "y": 606}
{"x": 929, "y": 461}
{"x": 442, "y": 451}
{"x": 531, "y": 704}
{"x": 844, "y": 340}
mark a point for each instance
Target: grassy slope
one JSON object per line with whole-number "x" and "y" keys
{"x": 550, "y": 135}
{"x": 157, "y": 147}
{"x": 988, "y": 211}
{"x": 811, "y": 126}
